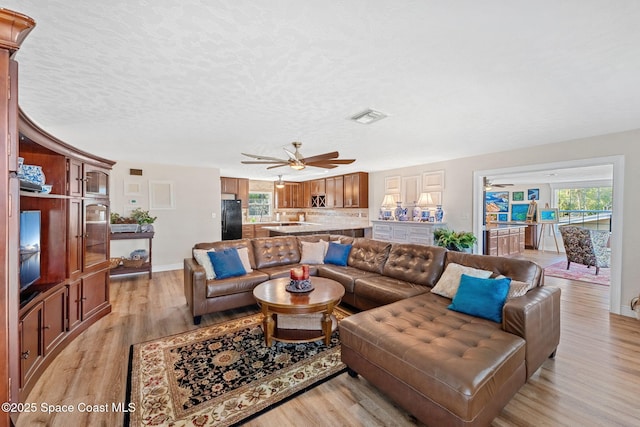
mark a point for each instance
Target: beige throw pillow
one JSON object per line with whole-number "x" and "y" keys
{"x": 244, "y": 257}
{"x": 448, "y": 284}
{"x": 313, "y": 252}
{"x": 516, "y": 288}
{"x": 202, "y": 258}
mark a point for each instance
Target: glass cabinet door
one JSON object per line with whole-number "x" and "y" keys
{"x": 96, "y": 234}
{"x": 96, "y": 182}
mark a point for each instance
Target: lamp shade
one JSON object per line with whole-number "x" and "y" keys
{"x": 389, "y": 201}
{"x": 425, "y": 200}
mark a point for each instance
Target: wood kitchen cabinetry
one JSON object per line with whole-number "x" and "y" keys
{"x": 228, "y": 185}
{"x": 288, "y": 197}
{"x": 243, "y": 192}
{"x": 356, "y": 190}
{"x": 334, "y": 192}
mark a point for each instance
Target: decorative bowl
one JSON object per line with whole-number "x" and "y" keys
{"x": 46, "y": 188}
{"x": 299, "y": 286}
{"x": 33, "y": 173}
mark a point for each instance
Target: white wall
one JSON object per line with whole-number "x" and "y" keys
{"x": 459, "y": 194}
{"x": 196, "y": 194}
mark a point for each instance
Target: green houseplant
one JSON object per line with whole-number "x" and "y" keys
{"x": 461, "y": 241}
{"x": 143, "y": 217}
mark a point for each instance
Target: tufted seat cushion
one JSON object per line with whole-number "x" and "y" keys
{"x": 374, "y": 291}
{"x": 458, "y": 364}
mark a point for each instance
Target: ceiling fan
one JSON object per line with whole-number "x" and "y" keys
{"x": 298, "y": 161}
{"x": 488, "y": 185}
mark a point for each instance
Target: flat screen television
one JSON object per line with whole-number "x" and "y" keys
{"x": 29, "y": 248}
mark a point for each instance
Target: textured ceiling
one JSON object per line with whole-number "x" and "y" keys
{"x": 198, "y": 82}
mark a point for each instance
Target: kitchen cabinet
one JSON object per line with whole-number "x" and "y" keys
{"x": 243, "y": 192}
{"x": 305, "y": 194}
{"x": 248, "y": 231}
{"x": 288, "y": 197}
{"x": 356, "y": 190}
{"x": 334, "y": 187}
{"x": 317, "y": 187}
{"x": 228, "y": 185}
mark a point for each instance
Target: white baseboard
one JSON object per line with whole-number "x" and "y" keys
{"x": 167, "y": 267}
{"x": 626, "y": 311}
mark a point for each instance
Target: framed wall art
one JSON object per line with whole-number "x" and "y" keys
{"x": 518, "y": 196}
{"x": 533, "y": 194}
{"x": 548, "y": 216}
{"x": 161, "y": 195}
{"x": 519, "y": 211}
{"x": 497, "y": 201}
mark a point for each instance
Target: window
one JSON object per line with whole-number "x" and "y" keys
{"x": 588, "y": 206}
{"x": 260, "y": 204}
{"x": 585, "y": 199}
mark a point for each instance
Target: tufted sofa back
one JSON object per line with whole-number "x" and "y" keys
{"x": 517, "y": 269}
{"x": 275, "y": 251}
{"x": 368, "y": 255}
{"x": 417, "y": 264}
{"x": 226, "y": 244}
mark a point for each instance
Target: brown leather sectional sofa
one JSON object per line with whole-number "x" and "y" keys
{"x": 446, "y": 368}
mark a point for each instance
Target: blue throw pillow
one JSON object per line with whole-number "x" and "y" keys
{"x": 481, "y": 297}
{"x": 227, "y": 263}
{"x": 337, "y": 254}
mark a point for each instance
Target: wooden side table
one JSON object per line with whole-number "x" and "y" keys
{"x": 146, "y": 267}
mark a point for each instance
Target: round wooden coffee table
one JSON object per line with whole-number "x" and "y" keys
{"x": 275, "y": 299}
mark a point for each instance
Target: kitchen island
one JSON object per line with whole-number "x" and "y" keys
{"x": 306, "y": 228}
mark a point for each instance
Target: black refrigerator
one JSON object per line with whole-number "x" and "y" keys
{"x": 231, "y": 219}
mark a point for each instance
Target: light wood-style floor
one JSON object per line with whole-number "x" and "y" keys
{"x": 593, "y": 381}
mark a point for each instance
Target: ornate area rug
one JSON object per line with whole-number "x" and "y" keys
{"x": 222, "y": 374}
{"x": 579, "y": 272}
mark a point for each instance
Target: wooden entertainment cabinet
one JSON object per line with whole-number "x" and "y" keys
{"x": 72, "y": 292}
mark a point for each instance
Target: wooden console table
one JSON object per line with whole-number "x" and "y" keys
{"x": 146, "y": 267}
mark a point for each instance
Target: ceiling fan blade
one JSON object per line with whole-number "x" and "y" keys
{"x": 335, "y": 161}
{"x": 291, "y": 155}
{"x": 262, "y": 162}
{"x": 322, "y": 165}
{"x": 258, "y": 157}
{"x": 278, "y": 166}
{"x": 325, "y": 156}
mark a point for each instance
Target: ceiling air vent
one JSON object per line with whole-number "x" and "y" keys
{"x": 368, "y": 116}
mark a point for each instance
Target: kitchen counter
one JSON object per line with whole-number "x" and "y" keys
{"x": 304, "y": 228}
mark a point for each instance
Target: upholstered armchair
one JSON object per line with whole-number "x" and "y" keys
{"x": 585, "y": 246}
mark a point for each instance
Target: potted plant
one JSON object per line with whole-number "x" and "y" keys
{"x": 461, "y": 241}
{"x": 122, "y": 224}
{"x": 144, "y": 219}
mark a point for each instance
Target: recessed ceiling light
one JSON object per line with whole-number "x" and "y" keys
{"x": 368, "y": 116}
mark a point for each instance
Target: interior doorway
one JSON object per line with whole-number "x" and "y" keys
{"x": 617, "y": 176}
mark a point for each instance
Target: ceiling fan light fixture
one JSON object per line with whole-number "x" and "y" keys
{"x": 297, "y": 166}
{"x": 368, "y": 116}
{"x": 279, "y": 182}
